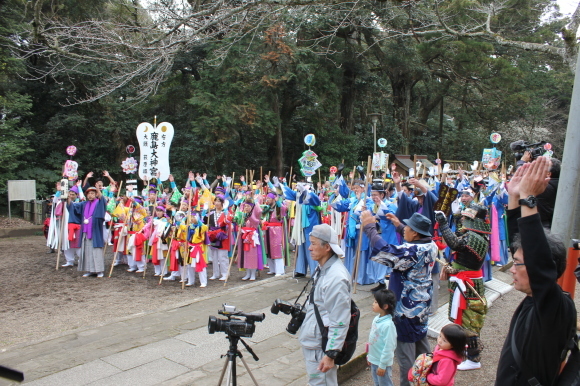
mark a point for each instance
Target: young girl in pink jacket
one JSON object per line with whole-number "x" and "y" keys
{"x": 449, "y": 352}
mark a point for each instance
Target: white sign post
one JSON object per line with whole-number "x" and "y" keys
{"x": 154, "y": 143}
{"x": 20, "y": 190}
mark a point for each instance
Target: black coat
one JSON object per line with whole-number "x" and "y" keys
{"x": 545, "y": 321}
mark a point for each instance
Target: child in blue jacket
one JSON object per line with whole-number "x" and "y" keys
{"x": 382, "y": 338}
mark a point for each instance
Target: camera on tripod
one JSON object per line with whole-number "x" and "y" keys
{"x": 521, "y": 146}
{"x": 296, "y": 310}
{"x": 234, "y": 325}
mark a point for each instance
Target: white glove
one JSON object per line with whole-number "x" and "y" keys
{"x": 276, "y": 182}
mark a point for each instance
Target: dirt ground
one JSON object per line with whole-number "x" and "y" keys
{"x": 39, "y": 301}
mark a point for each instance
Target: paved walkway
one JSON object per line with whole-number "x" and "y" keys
{"x": 173, "y": 346}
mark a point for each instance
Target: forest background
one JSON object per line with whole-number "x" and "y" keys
{"x": 243, "y": 81}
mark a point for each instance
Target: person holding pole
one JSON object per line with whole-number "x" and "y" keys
{"x": 410, "y": 281}
{"x": 74, "y": 230}
{"x": 92, "y": 212}
{"x": 306, "y": 217}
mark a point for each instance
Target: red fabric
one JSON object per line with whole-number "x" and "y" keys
{"x": 195, "y": 252}
{"x": 173, "y": 260}
{"x": 271, "y": 224}
{"x": 139, "y": 244}
{"x": 116, "y": 233}
{"x": 224, "y": 221}
{"x": 45, "y": 227}
{"x": 466, "y": 276}
{"x": 154, "y": 251}
{"x": 438, "y": 239}
{"x": 248, "y": 238}
{"x": 72, "y": 228}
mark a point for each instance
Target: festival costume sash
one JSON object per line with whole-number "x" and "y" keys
{"x": 459, "y": 303}
{"x": 72, "y": 230}
{"x": 196, "y": 254}
{"x": 139, "y": 243}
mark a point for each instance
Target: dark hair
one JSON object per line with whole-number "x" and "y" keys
{"x": 219, "y": 198}
{"x": 557, "y": 248}
{"x": 386, "y": 297}
{"x": 555, "y": 168}
{"x": 407, "y": 185}
{"x": 457, "y": 338}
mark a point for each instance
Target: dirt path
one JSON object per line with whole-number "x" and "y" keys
{"x": 38, "y": 301}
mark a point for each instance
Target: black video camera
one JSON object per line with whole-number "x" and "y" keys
{"x": 521, "y": 146}
{"x": 296, "y": 310}
{"x": 233, "y": 325}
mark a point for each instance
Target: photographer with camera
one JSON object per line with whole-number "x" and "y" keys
{"x": 543, "y": 325}
{"x": 330, "y": 297}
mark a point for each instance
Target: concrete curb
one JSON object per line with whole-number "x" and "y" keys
{"x": 353, "y": 367}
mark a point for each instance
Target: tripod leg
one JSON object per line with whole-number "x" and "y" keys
{"x": 249, "y": 372}
{"x": 224, "y": 371}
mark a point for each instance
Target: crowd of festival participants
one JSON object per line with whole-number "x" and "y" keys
{"x": 179, "y": 227}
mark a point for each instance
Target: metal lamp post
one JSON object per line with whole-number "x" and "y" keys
{"x": 374, "y": 119}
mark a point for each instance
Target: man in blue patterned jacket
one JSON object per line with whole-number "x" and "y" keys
{"x": 411, "y": 281}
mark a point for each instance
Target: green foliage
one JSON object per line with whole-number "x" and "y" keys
{"x": 228, "y": 113}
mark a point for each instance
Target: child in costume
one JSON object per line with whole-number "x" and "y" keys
{"x": 382, "y": 338}
{"x": 448, "y": 353}
{"x": 198, "y": 240}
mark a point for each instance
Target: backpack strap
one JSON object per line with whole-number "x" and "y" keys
{"x": 516, "y": 353}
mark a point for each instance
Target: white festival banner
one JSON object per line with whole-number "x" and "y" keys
{"x": 154, "y": 144}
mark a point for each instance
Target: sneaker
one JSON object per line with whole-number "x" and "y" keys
{"x": 469, "y": 365}
{"x": 213, "y": 278}
{"x": 297, "y": 274}
{"x": 379, "y": 287}
{"x": 203, "y": 286}
{"x": 116, "y": 263}
{"x": 139, "y": 271}
{"x": 101, "y": 274}
{"x": 223, "y": 278}
{"x": 271, "y": 273}
{"x": 131, "y": 270}
{"x": 68, "y": 265}
{"x": 169, "y": 278}
{"x": 244, "y": 278}
{"x": 189, "y": 284}
{"x": 279, "y": 274}
{"x": 87, "y": 274}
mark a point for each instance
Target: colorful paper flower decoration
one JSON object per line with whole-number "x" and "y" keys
{"x": 130, "y": 165}
{"x": 71, "y": 150}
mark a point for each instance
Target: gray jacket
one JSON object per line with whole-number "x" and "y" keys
{"x": 332, "y": 297}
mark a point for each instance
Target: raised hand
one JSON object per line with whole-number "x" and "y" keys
{"x": 536, "y": 178}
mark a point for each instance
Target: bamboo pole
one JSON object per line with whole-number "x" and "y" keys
{"x": 187, "y": 222}
{"x": 360, "y": 234}
{"x": 129, "y": 218}
{"x": 60, "y": 233}
{"x": 233, "y": 255}
{"x": 168, "y": 250}
{"x": 107, "y": 241}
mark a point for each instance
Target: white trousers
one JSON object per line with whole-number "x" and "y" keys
{"x": 278, "y": 266}
{"x": 250, "y": 274}
{"x": 191, "y": 275}
{"x": 138, "y": 265}
{"x": 220, "y": 262}
{"x": 160, "y": 268}
{"x": 70, "y": 253}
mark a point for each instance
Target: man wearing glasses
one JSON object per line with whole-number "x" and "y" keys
{"x": 545, "y": 321}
